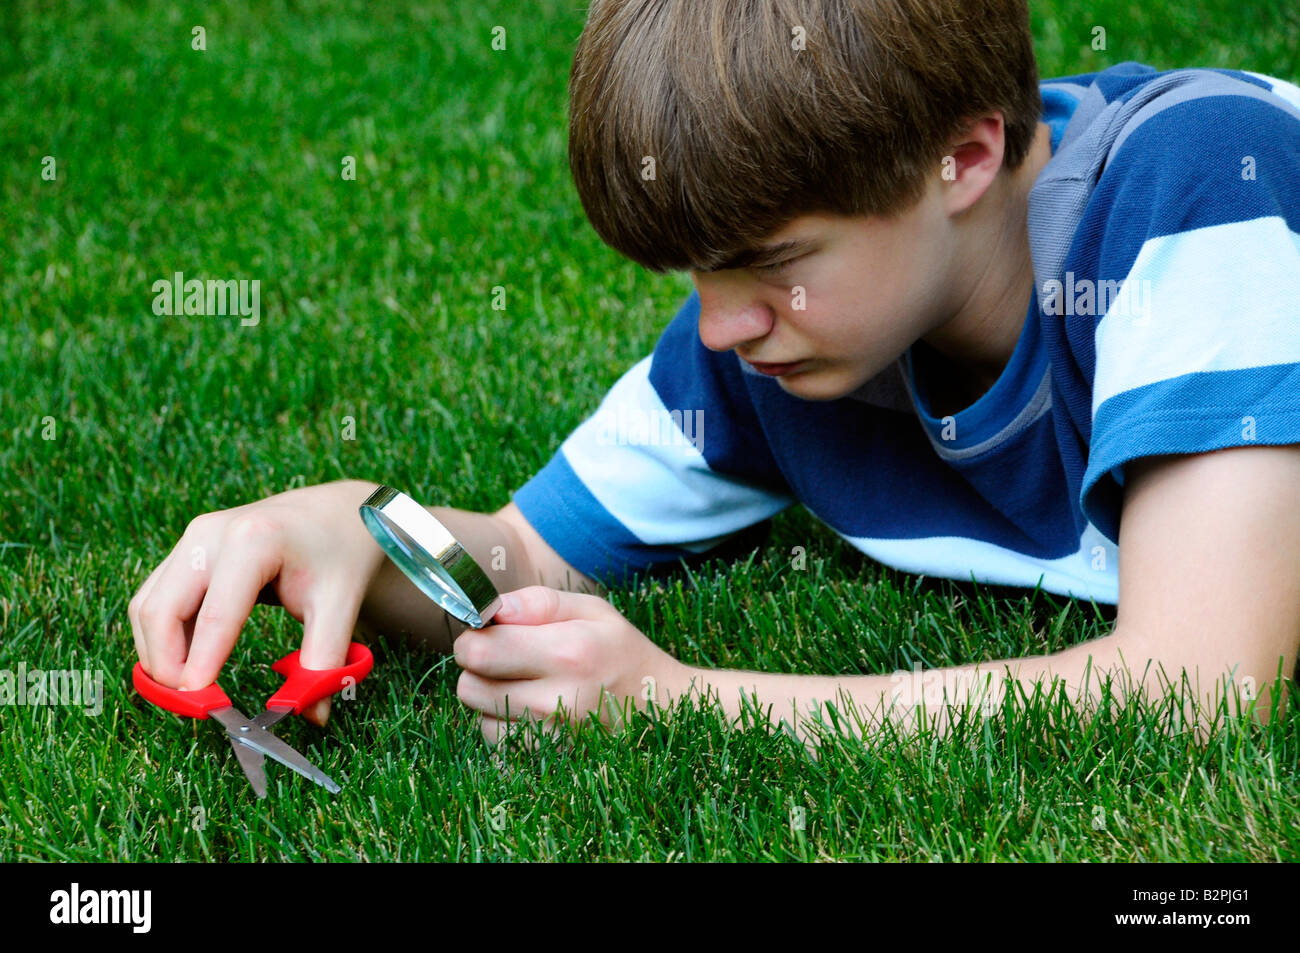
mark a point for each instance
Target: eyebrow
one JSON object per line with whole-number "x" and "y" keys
{"x": 762, "y": 255}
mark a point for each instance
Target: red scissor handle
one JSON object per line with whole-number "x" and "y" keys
{"x": 306, "y": 686}
{"x": 189, "y": 704}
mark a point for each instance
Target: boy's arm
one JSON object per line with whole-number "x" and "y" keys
{"x": 543, "y": 565}
{"x": 508, "y": 550}
{"x": 1209, "y": 582}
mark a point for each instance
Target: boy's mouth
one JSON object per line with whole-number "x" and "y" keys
{"x": 775, "y": 370}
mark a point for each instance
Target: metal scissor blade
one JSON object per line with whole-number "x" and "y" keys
{"x": 253, "y": 763}
{"x": 270, "y": 717}
{"x": 259, "y": 739}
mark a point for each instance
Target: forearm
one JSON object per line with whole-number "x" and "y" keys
{"x": 394, "y": 605}
{"x": 862, "y": 703}
{"x": 934, "y": 698}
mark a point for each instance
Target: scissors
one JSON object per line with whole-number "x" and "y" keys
{"x": 252, "y": 739}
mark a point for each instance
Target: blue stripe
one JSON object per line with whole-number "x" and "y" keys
{"x": 1194, "y": 413}
{"x": 1123, "y": 79}
{"x": 563, "y": 511}
{"x": 1182, "y": 169}
{"x": 1058, "y": 106}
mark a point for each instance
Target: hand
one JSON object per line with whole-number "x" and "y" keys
{"x": 559, "y": 649}
{"x": 307, "y": 546}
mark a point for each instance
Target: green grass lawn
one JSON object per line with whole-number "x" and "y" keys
{"x": 376, "y": 305}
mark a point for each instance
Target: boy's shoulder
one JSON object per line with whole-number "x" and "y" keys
{"x": 1189, "y": 108}
{"x": 1166, "y": 240}
{"x": 1141, "y": 152}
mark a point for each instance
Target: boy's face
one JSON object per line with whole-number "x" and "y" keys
{"x": 846, "y": 302}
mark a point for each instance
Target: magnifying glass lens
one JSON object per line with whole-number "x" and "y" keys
{"x": 430, "y": 556}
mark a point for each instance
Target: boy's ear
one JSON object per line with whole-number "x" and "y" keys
{"x": 972, "y": 162}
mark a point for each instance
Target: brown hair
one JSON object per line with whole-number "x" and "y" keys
{"x": 747, "y": 132}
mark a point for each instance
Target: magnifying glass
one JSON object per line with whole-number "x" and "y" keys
{"x": 430, "y": 556}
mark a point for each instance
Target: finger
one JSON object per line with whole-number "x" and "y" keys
{"x": 176, "y": 595}
{"x": 139, "y": 629}
{"x": 147, "y": 588}
{"x": 133, "y": 613}
{"x": 141, "y": 649}
{"x": 513, "y": 651}
{"x": 329, "y": 622}
{"x": 250, "y": 558}
{"x": 318, "y": 713}
{"x": 537, "y": 605}
{"x": 500, "y": 699}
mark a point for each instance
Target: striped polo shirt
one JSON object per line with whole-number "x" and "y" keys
{"x": 1165, "y": 235}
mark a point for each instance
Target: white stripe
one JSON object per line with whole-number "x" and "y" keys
{"x": 1219, "y": 298}
{"x": 1281, "y": 87}
{"x": 664, "y": 491}
{"x": 959, "y": 557}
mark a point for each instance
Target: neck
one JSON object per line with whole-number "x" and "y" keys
{"x": 999, "y": 284}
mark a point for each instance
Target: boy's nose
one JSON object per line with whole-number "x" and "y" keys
{"x": 728, "y": 325}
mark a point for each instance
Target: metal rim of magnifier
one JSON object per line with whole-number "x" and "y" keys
{"x": 430, "y": 556}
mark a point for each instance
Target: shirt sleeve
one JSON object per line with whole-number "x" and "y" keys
{"x": 1197, "y": 293}
{"x": 672, "y": 469}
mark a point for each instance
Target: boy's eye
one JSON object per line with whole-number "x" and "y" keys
{"x": 777, "y": 267}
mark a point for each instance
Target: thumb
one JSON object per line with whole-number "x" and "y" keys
{"x": 539, "y": 605}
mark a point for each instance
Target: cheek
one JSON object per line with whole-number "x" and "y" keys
{"x": 790, "y": 301}
{"x": 885, "y": 305}
{"x": 840, "y": 317}
{"x": 866, "y": 331}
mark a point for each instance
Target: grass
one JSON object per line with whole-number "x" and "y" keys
{"x": 376, "y": 305}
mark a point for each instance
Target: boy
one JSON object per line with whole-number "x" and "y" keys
{"x": 975, "y": 319}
